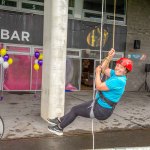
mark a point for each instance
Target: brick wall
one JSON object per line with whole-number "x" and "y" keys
{"x": 138, "y": 28}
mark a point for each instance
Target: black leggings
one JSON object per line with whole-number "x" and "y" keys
{"x": 84, "y": 111}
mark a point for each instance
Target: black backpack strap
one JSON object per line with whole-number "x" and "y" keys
{"x": 112, "y": 104}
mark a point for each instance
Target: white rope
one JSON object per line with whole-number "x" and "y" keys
{"x": 101, "y": 45}
{"x": 93, "y": 133}
{"x": 101, "y": 38}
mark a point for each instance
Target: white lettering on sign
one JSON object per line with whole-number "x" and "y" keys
{"x": 25, "y": 36}
{"x": 5, "y": 35}
{"x": 15, "y": 36}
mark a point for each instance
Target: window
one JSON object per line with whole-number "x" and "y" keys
{"x": 95, "y": 5}
{"x": 92, "y": 11}
{"x": 120, "y": 6}
{"x": 42, "y": 1}
{"x": 92, "y": 15}
{"x": 8, "y": 3}
{"x": 71, "y": 3}
{"x": 32, "y": 6}
{"x": 70, "y": 12}
{"x": 71, "y": 8}
{"x": 29, "y": 6}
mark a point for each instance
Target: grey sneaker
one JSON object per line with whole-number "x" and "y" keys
{"x": 53, "y": 122}
{"x": 56, "y": 130}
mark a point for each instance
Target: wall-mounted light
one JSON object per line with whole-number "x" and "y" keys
{"x": 137, "y": 44}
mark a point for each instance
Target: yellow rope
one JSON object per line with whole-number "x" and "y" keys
{"x": 113, "y": 40}
{"x": 106, "y": 64}
{"x": 101, "y": 36}
{"x": 113, "y": 44}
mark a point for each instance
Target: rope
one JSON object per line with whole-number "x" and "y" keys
{"x": 113, "y": 44}
{"x": 101, "y": 38}
{"x": 93, "y": 133}
{"x": 101, "y": 45}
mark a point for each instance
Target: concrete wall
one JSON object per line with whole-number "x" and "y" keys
{"x": 138, "y": 28}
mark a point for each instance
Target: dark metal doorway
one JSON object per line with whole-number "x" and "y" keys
{"x": 87, "y": 74}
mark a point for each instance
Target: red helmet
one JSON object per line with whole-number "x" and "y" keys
{"x": 126, "y": 62}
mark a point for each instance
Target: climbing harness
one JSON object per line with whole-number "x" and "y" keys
{"x": 112, "y": 104}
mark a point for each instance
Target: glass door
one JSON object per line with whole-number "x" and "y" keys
{"x": 87, "y": 74}
{"x": 18, "y": 75}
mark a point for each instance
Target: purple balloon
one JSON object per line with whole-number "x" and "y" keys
{"x": 37, "y": 54}
{"x": 6, "y": 57}
{"x": 40, "y": 62}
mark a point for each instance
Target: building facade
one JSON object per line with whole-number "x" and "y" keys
{"x": 22, "y": 34}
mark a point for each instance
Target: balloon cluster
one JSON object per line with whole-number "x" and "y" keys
{"x": 5, "y": 60}
{"x": 38, "y": 61}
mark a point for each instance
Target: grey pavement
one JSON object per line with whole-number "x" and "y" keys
{"x": 116, "y": 140}
{"x": 21, "y": 115}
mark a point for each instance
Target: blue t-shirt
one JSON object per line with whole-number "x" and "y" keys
{"x": 116, "y": 86}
